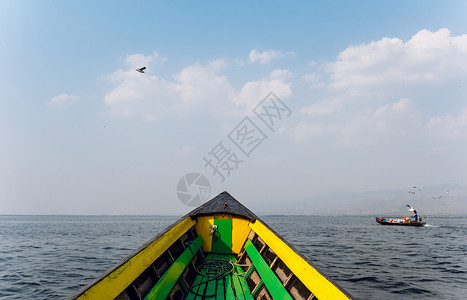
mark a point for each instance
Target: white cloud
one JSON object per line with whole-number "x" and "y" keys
{"x": 196, "y": 88}
{"x": 202, "y": 88}
{"x": 426, "y": 57}
{"x": 325, "y": 107}
{"x": 145, "y": 96}
{"x": 373, "y": 73}
{"x": 304, "y": 132}
{"x": 281, "y": 74}
{"x": 396, "y": 108}
{"x": 451, "y": 127}
{"x": 139, "y": 94}
{"x": 253, "y": 91}
{"x": 267, "y": 56}
{"x": 62, "y": 100}
{"x": 361, "y": 128}
{"x": 140, "y": 60}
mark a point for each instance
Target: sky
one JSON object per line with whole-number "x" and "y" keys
{"x": 312, "y": 107}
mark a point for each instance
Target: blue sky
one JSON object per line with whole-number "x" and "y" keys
{"x": 376, "y": 90}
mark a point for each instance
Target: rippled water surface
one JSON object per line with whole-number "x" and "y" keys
{"x": 384, "y": 262}
{"x": 51, "y": 257}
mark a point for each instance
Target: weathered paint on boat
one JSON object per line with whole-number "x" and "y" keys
{"x": 222, "y": 230}
{"x": 411, "y": 223}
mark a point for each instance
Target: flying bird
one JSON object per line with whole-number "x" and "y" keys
{"x": 440, "y": 196}
{"x": 141, "y": 70}
{"x": 417, "y": 188}
{"x": 410, "y": 207}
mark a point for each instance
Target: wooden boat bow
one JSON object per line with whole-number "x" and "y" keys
{"x": 260, "y": 263}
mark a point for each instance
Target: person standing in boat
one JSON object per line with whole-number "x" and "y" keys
{"x": 415, "y": 215}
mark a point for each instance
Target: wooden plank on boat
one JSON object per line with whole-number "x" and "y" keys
{"x": 220, "y": 291}
{"x": 222, "y": 237}
{"x": 115, "y": 280}
{"x": 321, "y": 287}
{"x": 241, "y": 279}
{"x": 211, "y": 285}
{"x": 195, "y": 288}
{"x": 273, "y": 284}
{"x": 238, "y": 288}
{"x": 170, "y": 277}
{"x": 240, "y": 232}
{"x": 202, "y": 287}
{"x": 229, "y": 292}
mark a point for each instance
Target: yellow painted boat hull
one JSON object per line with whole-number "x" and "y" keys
{"x": 183, "y": 262}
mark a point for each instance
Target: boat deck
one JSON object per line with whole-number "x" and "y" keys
{"x": 220, "y": 250}
{"x": 231, "y": 286}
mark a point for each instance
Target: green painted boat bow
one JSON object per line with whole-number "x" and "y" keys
{"x": 220, "y": 250}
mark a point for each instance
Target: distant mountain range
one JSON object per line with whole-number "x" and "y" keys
{"x": 434, "y": 200}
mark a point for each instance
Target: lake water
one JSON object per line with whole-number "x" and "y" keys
{"x": 51, "y": 257}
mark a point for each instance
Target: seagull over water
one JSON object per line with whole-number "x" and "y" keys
{"x": 141, "y": 70}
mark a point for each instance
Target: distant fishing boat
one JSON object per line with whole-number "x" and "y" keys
{"x": 220, "y": 250}
{"x": 406, "y": 221}
{"x": 399, "y": 222}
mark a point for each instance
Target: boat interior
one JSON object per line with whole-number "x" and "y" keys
{"x": 219, "y": 251}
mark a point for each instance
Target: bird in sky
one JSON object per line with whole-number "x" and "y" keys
{"x": 141, "y": 70}
{"x": 410, "y": 207}
{"x": 417, "y": 188}
{"x": 439, "y": 197}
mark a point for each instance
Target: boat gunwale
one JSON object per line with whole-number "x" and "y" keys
{"x": 294, "y": 249}
{"x": 194, "y": 214}
{"x": 244, "y": 213}
{"x": 124, "y": 260}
